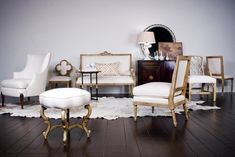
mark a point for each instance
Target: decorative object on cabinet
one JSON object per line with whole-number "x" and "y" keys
{"x": 215, "y": 66}
{"x": 145, "y": 39}
{"x": 166, "y": 95}
{"x": 170, "y": 49}
{"x": 126, "y": 74}
{"x": 63, "y": 70}
{"x": 155, "y": 71}
{"x": 31, "y": 81}
{"x": 197, "y": 79}
{"x": 162, "y": 33}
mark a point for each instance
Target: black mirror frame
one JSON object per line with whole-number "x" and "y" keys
{"x": 164, "y": 34}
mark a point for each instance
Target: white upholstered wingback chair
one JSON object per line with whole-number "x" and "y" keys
{"x": 163, "y": 94}
{"x": 31, "y": 81}
{"x": 198, "y": 79}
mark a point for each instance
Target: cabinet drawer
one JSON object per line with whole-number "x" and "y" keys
{"x": 154, "y": 71}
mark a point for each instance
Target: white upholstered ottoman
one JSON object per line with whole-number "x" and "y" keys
{"x": 65, "y": 99}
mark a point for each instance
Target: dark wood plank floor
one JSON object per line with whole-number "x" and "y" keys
{"x": 207, "y": 133}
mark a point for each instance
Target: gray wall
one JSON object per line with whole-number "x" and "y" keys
{"x": 70, "y": 27}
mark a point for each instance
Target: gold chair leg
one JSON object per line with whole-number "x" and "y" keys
{"x": 174, "y": 118}
{"x": 135, "y": 111}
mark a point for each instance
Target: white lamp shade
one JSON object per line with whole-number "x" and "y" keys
{"x": 146, "y": 37}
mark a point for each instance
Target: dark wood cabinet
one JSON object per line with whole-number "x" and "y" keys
{"x": 155, "y": 71}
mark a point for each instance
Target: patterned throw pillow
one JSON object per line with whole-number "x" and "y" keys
{"x": 108, "y": 68}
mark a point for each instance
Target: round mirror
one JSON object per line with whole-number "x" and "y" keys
{"x": 162, "y": 34}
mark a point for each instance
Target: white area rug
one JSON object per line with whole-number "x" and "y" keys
{"x": 106, "y": 107}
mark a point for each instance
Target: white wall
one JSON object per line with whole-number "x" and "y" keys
{"x": 70, "y": 27}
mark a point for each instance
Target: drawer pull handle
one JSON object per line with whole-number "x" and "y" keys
{"x": 151, "y": 77}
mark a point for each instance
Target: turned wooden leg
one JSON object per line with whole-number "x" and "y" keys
{"x": 190, "y": 92}
{"x": 222, "y": 86}
{"x": 214, "y": 92}
{"x": 135, "y": 111}
{"x": 3, "y": 99}
{"x": 185, "y": 111}
{"x": 231, "y": 85}
{"x": 152, "y": 109}
{"x": 21, "y": 100}
{"x": 174, "y": 118}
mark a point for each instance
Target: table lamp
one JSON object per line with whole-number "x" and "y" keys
{"x": 146, "y": 39}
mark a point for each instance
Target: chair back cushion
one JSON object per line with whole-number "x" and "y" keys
{"x": 33, "y": 65}
{"x": 180, "y": 75}
{"x": 215, "y": 65}
{"x": 63, "y": 68}
{"x": 196, "y": 65}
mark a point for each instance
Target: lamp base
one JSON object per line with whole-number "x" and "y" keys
{"x": 147, "y": 57}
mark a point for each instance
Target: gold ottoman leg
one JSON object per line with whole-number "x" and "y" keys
{"x": 83, "y": 125}
{"x": 47, "y": 121}
{"x": 85, "y": 120}
{"x": 65, "y": 124}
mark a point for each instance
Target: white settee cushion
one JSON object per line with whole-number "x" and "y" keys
{"x": 16, "y": 83}
{"x": 201, "y": 79}
{"x": 64, "y": 98}
{"x": 104, "y": 80}
{"x": 153, "y": 89}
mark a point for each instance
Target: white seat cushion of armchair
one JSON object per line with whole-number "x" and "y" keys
{"x": 16, "y": 83}
{"x": 156, "y": 100}
{"x": 153, "y": 89}
{"x": 119, "y": 80}
{"x": 201, "y": 79}
{"x": 64, "y": 98}
{"x": 60, "y": 78}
